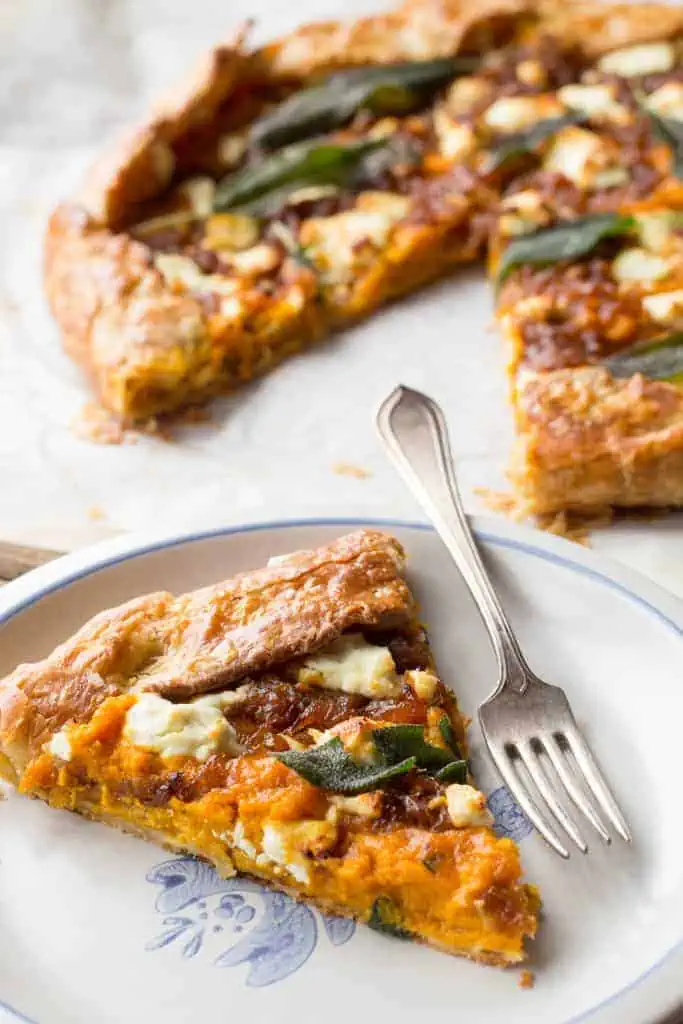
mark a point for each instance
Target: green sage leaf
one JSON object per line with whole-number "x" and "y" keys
{"x": 446, "y": 730}
{"x": 384, "y": 89}
{"x": 659, "y": 360}
{"x": 456, "y": 771}
{"x": 262, "y": 188}
{"x": 669, "y": 131}
{"x": 384, "y": 918}
{"x": 396, "y": 742}
{"x": 330, "y": 767}
{"x": 569, "y": 240}
{"x": 519, "y": 144}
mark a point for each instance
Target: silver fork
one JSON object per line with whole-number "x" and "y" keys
{"x": 528, "y": 725}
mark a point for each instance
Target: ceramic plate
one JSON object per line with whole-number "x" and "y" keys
{"x": 100, "y": 927}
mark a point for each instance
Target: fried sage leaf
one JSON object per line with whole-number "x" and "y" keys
{"x": 395, "y": 742}
{"x": 658, "y": 360}
{"x": 385, "y": 918}
{"x": 456, "y": 771}
{"x": 522, "y": 144}
{"x": 388, "y": 89}
{"x": 569, "y": 240}
{"x": 669, "y": 131}
{"x": 256, "y": 188}
{"x": 330, "y": 767}
{"x": 446, "y": 730}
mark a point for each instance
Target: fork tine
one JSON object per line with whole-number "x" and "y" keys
{"x": 518, "y": 790}
{"x": 593, "y": 775}
{"x": 559, "y": 764}
{"x": 533, "y": 765}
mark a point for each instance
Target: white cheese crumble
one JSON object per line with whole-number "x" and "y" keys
{"x": 59, "y": 746}
{"x": 517, "y": 113}
{"x": 352, "y": 665}
{"x": 286, "y": 844}
{"x": 667, "y": 100}
{"x": 240, "y": 840}
{"x": 466, "y": 93}
{"x": 644, "y": 59}
{"x": 593, "y": 101}
{"x": 656, "y": 230}
{"x": 423, "y": 684}
{"x": 181, "y": 270}
{"x": 639, "y": 265}
{"x": 665, "y": 307}
{"x": 585, "y": 159}
{"x": 199, "y": 193}
{"x": 455, "y": 140}
{"x": 333, "y": 243}
{"x": 197, "y": 730}
{"x": 467, "y": 806}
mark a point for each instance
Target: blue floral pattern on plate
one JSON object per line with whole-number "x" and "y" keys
{"x": 271, "y": 932}
{"x": 509, "y": 820}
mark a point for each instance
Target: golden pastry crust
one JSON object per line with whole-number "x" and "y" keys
{"x": 79, "y": 731}
{"x": 586, "y": 441}
{"x": 184, "y": 646}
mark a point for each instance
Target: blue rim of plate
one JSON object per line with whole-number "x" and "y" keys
{"x": 526, "y": 547}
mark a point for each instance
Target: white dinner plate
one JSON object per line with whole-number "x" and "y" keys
{"x": 100, "y": 928}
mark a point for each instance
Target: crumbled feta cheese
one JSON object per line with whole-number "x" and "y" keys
{"x": 667, "y": 100}
{"x": 260, "y": 259}
{"x": 197, "y": 729}
{"x": 423, "y": 684}
{"x": 240, "y": 840}
{"x": 644, "y": 59}
{"x": 181, "y": 270}
{"x": 287, "y": 844}
{"x": 455, "y": 140}
{"x": 594, "y": 101}
{"x": 639, "y": 265}
{"x": 59, "y": 746}
{"x": 656, "y": 230}
{"x": 199, "y": 193}
{"x": 665, "y": 307}
{"x": 231, "y": 149}
{"x": 353, "y": 665}
{"x": 333, "y": 243}
{"x": 367, "y": 805}
{"x": 585, "y": 159}
{"x": 524, "y": 212}
{"x": 467, "y": 92}
{"x": 517, "y": 113}
{"x": 467, "y": 806}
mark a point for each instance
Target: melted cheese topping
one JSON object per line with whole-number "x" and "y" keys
{"x": 467, "y": 806}
{"x": 455, "y": 140}
{"x": 585, "y": 159}
{"x": 517, "y": 113}
{"x": 352, "y": 665}
{"x": 665, "y": 307}
{"x": 644, "y": 59}
{"x": 667, "y": 100}
{"x": 594, "y": 101}
{"x": 197, "y": 730}
{"x": 640, "y": 266}
{"x": 333, "y": 243}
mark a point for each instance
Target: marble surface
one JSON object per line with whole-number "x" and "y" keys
{"x": 71, "y": 73}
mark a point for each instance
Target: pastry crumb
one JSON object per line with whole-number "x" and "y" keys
{"x": 97, "y": 424}
{"x": 350, "y": 469}
{"x": 96, "y": 513}
{"x": 527, "y": 979}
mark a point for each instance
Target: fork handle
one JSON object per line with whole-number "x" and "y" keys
{"x": 413, "y": 429}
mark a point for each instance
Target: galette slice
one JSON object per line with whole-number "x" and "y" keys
{"x": 289, "y": 723}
